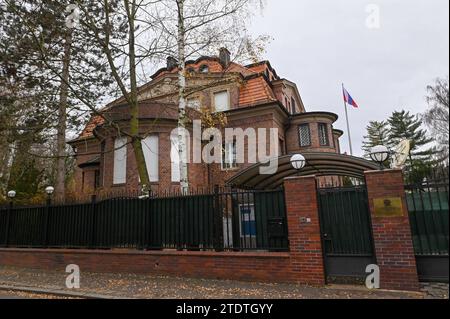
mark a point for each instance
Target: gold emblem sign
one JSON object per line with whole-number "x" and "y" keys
{"x": 388, "y": 207}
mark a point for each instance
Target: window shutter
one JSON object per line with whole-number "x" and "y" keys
{"x": 150, "y": 147}
{"x": 221, "y": 101}
{"x": 120, "y": 161}
{"x": 323, "y": 134}
{"x": 175, "y": 159}
{"x": 304, "y": 135}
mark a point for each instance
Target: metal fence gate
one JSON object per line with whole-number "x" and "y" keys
{"x": 346, "y": 232}
{"x": 233, "y": 220}
{"x": 429, "y": 219}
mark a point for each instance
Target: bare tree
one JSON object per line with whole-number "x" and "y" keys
{"x": 57, "y": 68}
{"x": 437, "y": 115}
{"x": 126, "y": 38}
{"x": 200, "y": 28}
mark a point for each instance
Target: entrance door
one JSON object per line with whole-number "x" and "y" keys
{"x": 346, "y": 232}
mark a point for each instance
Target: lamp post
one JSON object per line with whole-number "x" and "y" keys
{"x": 379, "y": 154}
{"x": 11, "y": 196}
{"x": 49, "y": 190}
{"x": 298, "y": 161}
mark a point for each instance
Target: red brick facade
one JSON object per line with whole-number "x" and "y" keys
{"x": 304, "y": 229}
{"x": 266, "y": 267}
{"x": 392, "y": 235}
{"x": 258, "y": 98}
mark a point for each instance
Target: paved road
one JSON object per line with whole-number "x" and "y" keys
{"x": 146, "y": 286}
{"x": 14, "y": 295}
{"x": 9, "y": 294}
{"x": 2, "y": 296}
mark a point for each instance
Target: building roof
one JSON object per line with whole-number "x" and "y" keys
{"x": 317, "y": 163}
{"x": 256, "y": 88}
{"x": 94, "y": 161}
{"x": 94, "y": 121}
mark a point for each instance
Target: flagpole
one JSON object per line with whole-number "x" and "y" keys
{"x": 348, "y": 124}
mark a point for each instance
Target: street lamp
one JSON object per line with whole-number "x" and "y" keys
{"x": 379, "y": 154}
{"x": 49, "y": 190}
{"x": 11, "y": 194}
{"x": 298, "y": 161}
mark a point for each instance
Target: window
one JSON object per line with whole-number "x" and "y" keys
{"x": 194, "y": 104}
{"x": 82, "y": 182}
{"x": 102, "y": 163}
{"x": 175, "y": 159}
{"x": 304, "y": 135}
{"x": 120, "y": 161}
{"x": 204, "y": 69}
{"x": 150, "y": 147}
{"x": 96, "y": 179}
{"x": 229, "y": 156}
{"x": 323, "y": 134}
{"x": 221, "y": 101}
{"x": 294, "y": 107}
{"x": 281, "y": 146}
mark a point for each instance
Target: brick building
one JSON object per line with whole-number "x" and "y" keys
{"x": 251, "y": 96}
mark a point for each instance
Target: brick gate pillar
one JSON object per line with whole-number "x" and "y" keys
{"x": 391, "y": 230}
{"x": 306, "y": 258}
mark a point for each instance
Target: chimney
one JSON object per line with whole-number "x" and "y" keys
{"x": 225, "y": 57}
{"x": 171, "y": 63}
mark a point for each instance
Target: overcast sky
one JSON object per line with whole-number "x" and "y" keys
{"x": 318, "y": 44}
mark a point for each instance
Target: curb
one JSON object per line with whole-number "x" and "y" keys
{"x": 58, "y": 292}
{"x": 362, "y": 288}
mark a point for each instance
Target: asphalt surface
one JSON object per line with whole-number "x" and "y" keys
{"x": 160, "y": 287}
{"x": 9, "y": 294}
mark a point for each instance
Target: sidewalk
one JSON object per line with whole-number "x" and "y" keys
{"x": 95, "y": 285}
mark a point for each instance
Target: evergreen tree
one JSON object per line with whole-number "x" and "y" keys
{"x": 37, "y": 85}
{"x": 404, "y": 125}
{"x": 377, "y": 134}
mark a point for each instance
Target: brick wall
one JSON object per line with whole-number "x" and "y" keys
{"x": 302, "y": 264}
{"x": 392, "y": 235}
{"x": 266, "y": 267}
{"x": 304, "y": 236}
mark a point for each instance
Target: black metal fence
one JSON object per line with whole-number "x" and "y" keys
{"x": 429, "y": 213}
{"x": 219, "y": 220}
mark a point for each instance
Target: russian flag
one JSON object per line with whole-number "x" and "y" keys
{"x": 348, "y": 98}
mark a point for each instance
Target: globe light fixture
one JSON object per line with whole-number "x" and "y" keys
{"x": 49, "y": 190}
{"x": 12, "y": 194}
{"x": 379, "y": 154}
{"x": 298, "y": 161}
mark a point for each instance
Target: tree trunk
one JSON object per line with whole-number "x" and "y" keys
{"x": 60, "y": 188}
{"x": 134, "y": 106}
{"x": 182, "y": 148}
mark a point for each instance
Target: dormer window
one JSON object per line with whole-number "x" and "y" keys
{"x": 204, "y": 69}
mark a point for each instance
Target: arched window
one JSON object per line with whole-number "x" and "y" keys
{"x": 204, "y": 68}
